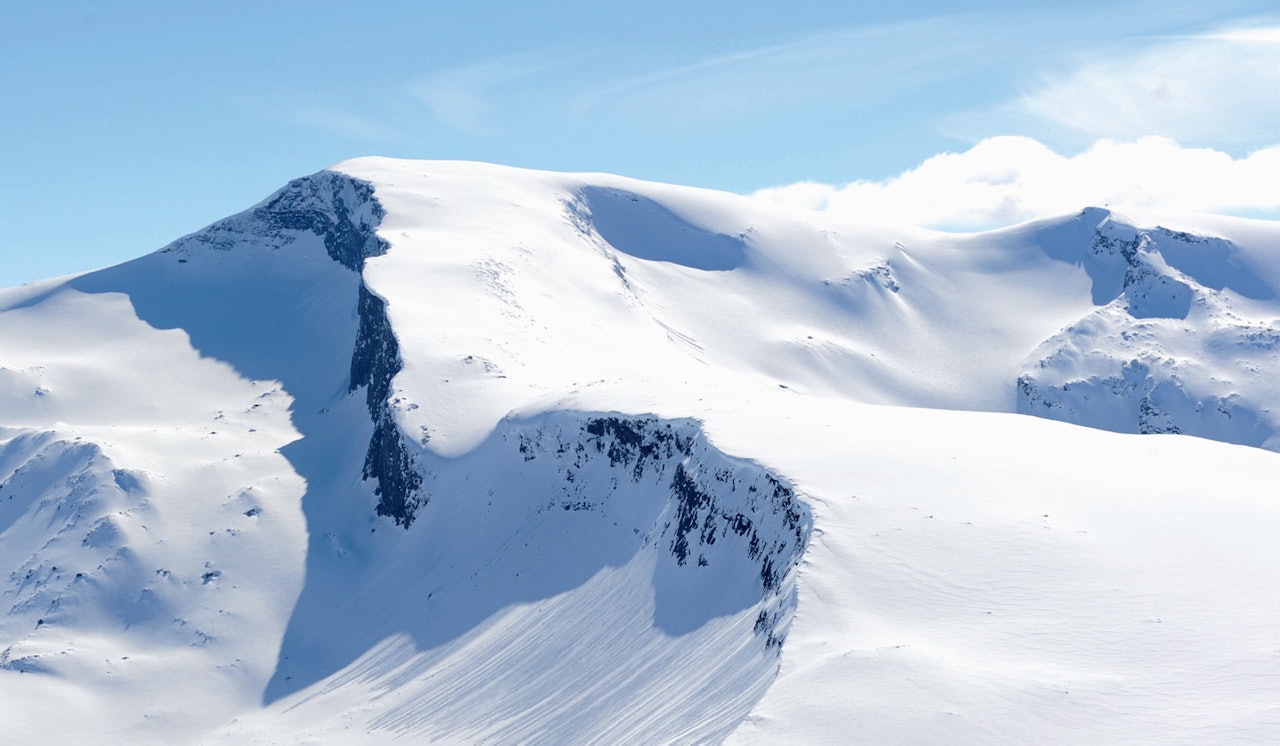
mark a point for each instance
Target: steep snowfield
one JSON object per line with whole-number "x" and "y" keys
{"x": 456, "y": 451}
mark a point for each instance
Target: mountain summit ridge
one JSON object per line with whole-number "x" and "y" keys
{"x": 459, "y": 451}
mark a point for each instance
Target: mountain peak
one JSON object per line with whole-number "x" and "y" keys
{"x": 457, "y": 451}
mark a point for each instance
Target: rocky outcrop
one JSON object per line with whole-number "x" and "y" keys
{"x": 1166, "y": 351}
{"x": 341, "y": 210}
{"x": 600, "y": 549}
{"x": 374, "y": 363}
{"x": 712, "y": 511}
{"x": 344, "y": 214}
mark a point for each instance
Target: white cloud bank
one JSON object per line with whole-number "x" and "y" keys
{"x": 1005, "y": 180}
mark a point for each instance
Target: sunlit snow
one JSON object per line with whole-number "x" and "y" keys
{"x": 454, "y": 451}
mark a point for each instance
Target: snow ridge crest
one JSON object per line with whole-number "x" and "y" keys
{"x": 341, "y": 209}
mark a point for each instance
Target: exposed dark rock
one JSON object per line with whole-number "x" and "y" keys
{"x": 1130, "y": 365}
{"x": 374, "y": 363}
{"x": 634, "y": 441}
{"x": 339, "y": 209}
{"x": 320, "y": 204}
{"x": 752, "y": 509}
{"x": 690, "y": 501}
{"x": 1154, "y": 420}
{"x": 345, "y": 214}
{"x": 375, "y": 359}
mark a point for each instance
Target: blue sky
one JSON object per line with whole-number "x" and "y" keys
{"x": 128, "y": 124}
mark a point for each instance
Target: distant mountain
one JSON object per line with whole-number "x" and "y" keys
{"x": 453, "y": 451}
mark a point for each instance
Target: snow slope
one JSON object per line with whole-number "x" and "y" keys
{"x": 453, "y": 451}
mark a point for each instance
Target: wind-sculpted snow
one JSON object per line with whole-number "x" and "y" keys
{"x": 640, "y": 227}
{"x": 705, "y": 554}
{"x": 74, "y": 537}
{"x": 367, "y": 461}
{"x": 62, "y": 507}
{"x": 1180, "y": 348}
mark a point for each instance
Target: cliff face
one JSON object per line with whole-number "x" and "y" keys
{"x": 713, "y": 542}
{"x": 342, "y": 213}
{"x": 339, "y": 210}
{"x": 710, "y": 508}
{"x": 374, "y": 363}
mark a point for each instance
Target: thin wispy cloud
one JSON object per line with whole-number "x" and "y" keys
{"x": 1005, "y": 180}
{"x": 343, "y": 123}
{"x": 467, "y": 98}
{"x": 1217, "y": 90}
{"x": 1261, "y": 34}
{"x": 864, "y": 66}
{"x": 595, "y": 85}
{"x": 860, "y": 92}
{"x": 311, "y": 112}
{"x": 620, "y": 88}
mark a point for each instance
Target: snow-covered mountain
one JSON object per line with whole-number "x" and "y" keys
{"x": 452, "y": 451}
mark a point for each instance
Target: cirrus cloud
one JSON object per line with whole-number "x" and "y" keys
{"x": 1206, "y": 90}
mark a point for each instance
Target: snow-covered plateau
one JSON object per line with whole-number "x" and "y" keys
{"x": 440, "y": 451}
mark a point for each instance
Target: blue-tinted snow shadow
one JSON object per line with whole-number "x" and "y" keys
{"x": 1212, "y": 262}
{"x": 508, "y": 525}
{"x": 282, "y": 317}
{"x": 639, "y": 227}
{"x": 277, "y": 317}
{"x": 1069, "y": 240}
